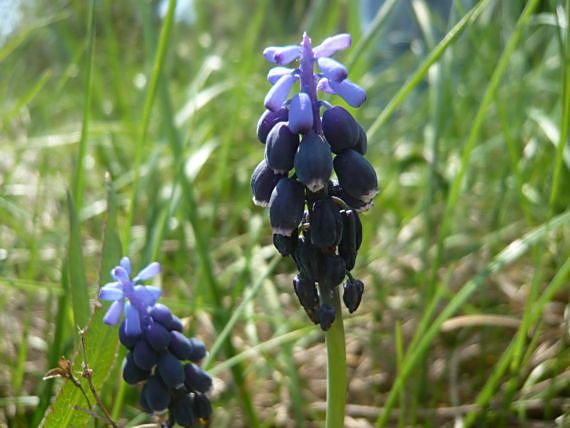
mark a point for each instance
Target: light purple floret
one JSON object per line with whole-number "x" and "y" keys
{"x": 332, "y": 44}
{"x": 350, "y": 92}
{"x": 333, "y": 70}
{"x": 300, "y": 113}
{"x": 279, "y": 92}
{"x": 282, "y": 55}
{"x": 276, "y": 72}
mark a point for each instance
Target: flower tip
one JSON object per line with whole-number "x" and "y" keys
{"x": 269, "y": 53}
{"x": 333, "y": 44}
{"x": 126, "y": 264}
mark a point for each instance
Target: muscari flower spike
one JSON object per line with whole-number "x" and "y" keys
{"x": 160, "y": 356}
{"x": 314, "y": 219}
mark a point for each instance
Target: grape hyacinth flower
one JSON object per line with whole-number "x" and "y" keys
{"x": 160, "y": 357}
{"x": 315, "y": 219}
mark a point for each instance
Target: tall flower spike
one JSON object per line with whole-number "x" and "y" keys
{"x": 314, "y": 220}
{"x": 159, "y": 354}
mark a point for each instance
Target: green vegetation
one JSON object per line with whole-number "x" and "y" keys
{"x": 123, "y": 133}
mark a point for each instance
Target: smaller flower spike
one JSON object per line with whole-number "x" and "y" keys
{"x": 314, "y": 220}
{"x": 159, "y": 353}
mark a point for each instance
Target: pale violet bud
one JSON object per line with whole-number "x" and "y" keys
{"x": 332, "y": 69}
{"x": 300, "y": 113}
{"x": 279, "y": 92}
{"x": 282, "y": 55}
{"x": 276, "y": 72}
{"x": 333, "y": 44}
{"x": 348, "y": 91}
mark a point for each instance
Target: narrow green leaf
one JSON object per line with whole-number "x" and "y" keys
{"x": 77, "y": 281}
{"x": 101, "y": 340}
{"x": 78, "y": 177}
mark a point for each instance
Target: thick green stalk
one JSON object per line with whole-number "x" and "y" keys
{"x": 336, "y": 369}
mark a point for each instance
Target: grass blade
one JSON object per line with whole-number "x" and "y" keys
{"x": 432, "y": 58}
{"x": 78, "y": 178}
{"x": 511, "y": 253}
{"x": 77, "y": 281}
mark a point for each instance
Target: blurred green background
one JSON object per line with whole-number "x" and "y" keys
{"x": 122, "y": 136}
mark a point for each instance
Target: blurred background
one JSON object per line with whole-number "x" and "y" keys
{"x": 115, "y": 141}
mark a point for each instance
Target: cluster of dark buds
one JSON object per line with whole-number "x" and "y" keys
{"x": 315, "y": 219}
{"x": 160, "y": 356}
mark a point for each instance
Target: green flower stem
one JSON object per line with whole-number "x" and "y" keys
{"x": 336, "y": 369}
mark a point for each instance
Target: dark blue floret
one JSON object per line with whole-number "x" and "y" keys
{"x": 361, "y": 145}
{"x": 128, "y": 341}
{"x": 306, "y": 292}
{"x": 327, "y": 314}
{"x": 356, "y": 176}
{"x": 334, "y": 270}
{"x": 144, "y": 404}
{"x": 198, "y": 350}
{"x": 132, "y": 374}
{"x": 353, "y": 289}
{"x": 263, "y": 181}
{"x": 268, "y": 120}
{"x": 157, "y": 336}
{"x": 280, "y": 148}
{"x": 348, "y": 247}
{"x": 340, "y": 129}
{"x": 176, "y": 324}
{"x": 144, "y": 356}
{"x": 313, "y": 162}
{"x": 308, "y": 259}
{"x": 196, "y": 379}
{"x": 286, "y": 206}
{"x": 182, "y": 410}
{"x": 160, "y": 313}
{"x": 285, "y": 244}
{"x": 170, "y": 370}
{"x": 335, "y": 189}
{"x": 202, "y": 407}
{"x": 326, "y": 223}
{"x": 156, "y": 394}
{"x": 180, "y": 346}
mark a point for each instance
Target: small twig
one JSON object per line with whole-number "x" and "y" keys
{"x": 87, "y": 373}
{"x": 64, "y": 370}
